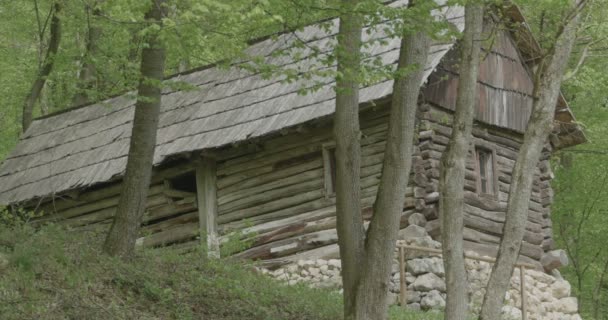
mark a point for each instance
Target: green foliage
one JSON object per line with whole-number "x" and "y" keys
{"x": 55, "y": 273}
{"x": 236, "y": 242}
{"x": 579, "y": 213}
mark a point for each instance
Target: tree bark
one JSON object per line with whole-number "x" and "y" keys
{"x": 45, "y": 71}
{"x": 348, "y": 154}
{"x": 125, "y": 227}
{"x": 372, "y": 302}
{"x": 88, "y": 73}
{"x": 453, "y": 163}
{"x": 546, "y": 93}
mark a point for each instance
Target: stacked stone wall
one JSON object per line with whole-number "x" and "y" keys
{"x": 548, "y": 296}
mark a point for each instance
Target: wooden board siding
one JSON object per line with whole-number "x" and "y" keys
{"x": 505, "y": 86}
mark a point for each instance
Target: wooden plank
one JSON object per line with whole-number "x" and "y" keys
{"x": 206, "y": 189}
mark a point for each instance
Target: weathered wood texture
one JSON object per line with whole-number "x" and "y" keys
{"x": 504, "y": 85}
{"x": 171, "y": 215}
{"x": 278, "y": 193}
{"x": 90, "y": 144}
{"x": 485, "y": 214}
{"x": 272, "y": 195}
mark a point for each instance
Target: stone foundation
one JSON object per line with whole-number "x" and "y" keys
{"x": 548, "y": 296}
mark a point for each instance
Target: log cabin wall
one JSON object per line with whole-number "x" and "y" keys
{"x": 279, "y": 194}
{"x": 485, "y": 213}
{"x": 273, "y": 195}
{"x": 171, "y": 215}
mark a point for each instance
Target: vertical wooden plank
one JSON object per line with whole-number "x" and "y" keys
{"x": 524, "y": 305}
{"x": 402, "y": 283}
{"x": 206, "y": 191}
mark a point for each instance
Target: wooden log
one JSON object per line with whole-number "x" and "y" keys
{"x": 170, "y": 223}
{"x": 268, "y": 159}
{"x": 282, "y": 223}
{"x": 87, "y": 198}
{"x": 167, "y": 210}
{"x": 295, "y": 229}
{"x": 331, "y": 251}
{"x": 290, "y": 246}
{"x": 275, "y": 149}
{"x": 224, "y": 198}
{"x": 272, "y": 206}
{"x": 206, "y": 188}
{"x": 224, "y": 188}
{"x": 90, "y": 218}
{"x": 490, "y": 250}
{"x": 178, "y": 233}
{"x": 253, "y": 200}
{"x": 173, "y": 193}
{"x": 154, "y": 200}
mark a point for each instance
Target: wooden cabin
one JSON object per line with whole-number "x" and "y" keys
{"x": 248, "y": 157}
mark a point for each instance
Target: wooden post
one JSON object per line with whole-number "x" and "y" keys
{"x": 206, "y": 190}
{"x": 402, "y": 283}
{"x": 522, "y": 288}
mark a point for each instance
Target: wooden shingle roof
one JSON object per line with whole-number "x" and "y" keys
{"x": 89, "y": 145}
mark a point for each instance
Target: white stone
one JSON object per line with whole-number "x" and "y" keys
{"x": 412, "y": 231}
{"x": 417, "y": 219}
{"x": 432, "y": 300}
{"x": 566, "y": 305}
{"x": 511, "y": 313}
{"x": 413, "y": 296}
{"x": 560, "y": 289}
{"x": 335, "y": 263}
{"x": 428, "y": 282}
{"x": 426, "y": 265}
{"x": 414, "y": 306}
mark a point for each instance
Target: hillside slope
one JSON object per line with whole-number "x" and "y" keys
{"x": 60, "y": 274}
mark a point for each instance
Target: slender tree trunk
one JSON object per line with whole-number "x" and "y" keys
{"x": 88, "y": 73}
{"x": 45, "y": 71}
{"x": 453, "y": 162}
{"x": 372, "y": 302}
{"x": 597, "y": 293}
{"x": 125, "y": 228}
{"x": 348, "y": 154}
{"x": 546, "y": 93}
{"x": 367, "y": 261}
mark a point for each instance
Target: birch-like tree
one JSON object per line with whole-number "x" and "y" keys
{"x": 46, "y": 66}
{"x": 453, "y": 163}
{"x": 367, "y": 257}
{"x": 125, "y": 227}
{"x": 547, "y": 81}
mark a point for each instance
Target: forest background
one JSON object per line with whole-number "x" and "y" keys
{"x": 106, "y": 35}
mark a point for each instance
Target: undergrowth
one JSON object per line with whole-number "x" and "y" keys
{"x": 53, "y": 273}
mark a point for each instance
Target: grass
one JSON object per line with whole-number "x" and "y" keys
{"x": 60, "y": 274}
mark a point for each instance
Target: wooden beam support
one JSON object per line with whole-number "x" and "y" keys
{"x": 206, "y": 187}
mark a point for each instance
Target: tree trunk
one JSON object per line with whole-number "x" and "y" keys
{"x": 88, "y": 74}
{"x": 348, "y": 154}
{"x": 45, "y": 71}
{"x": 453, "y": 162}
{"x": 372, "y": 302}
{"x": 125, "y": 228}
{"x": 546, "y": 93}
